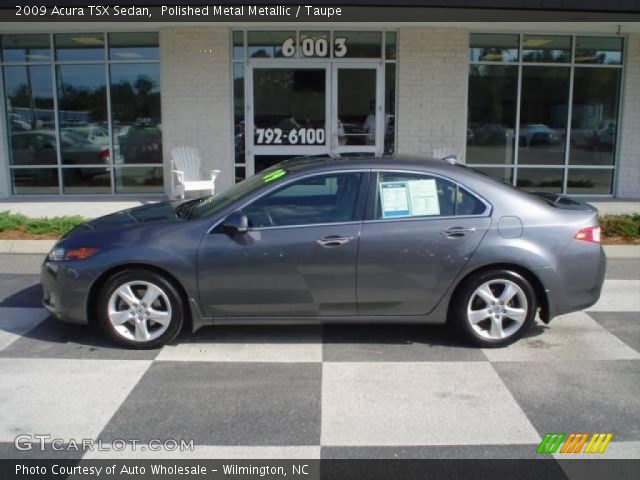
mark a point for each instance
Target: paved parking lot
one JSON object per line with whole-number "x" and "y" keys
{"x": 330, "y": 392}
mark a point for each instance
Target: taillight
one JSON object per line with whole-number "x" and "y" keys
{"x": 104, "y": 154}
{"x": 589, "y": 234}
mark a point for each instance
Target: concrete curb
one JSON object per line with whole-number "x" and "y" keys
{"x": 44, "y": 246}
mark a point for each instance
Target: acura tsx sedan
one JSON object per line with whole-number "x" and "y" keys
{"x": 401, "y": 240}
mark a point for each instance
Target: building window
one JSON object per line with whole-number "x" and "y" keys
{"x": 543, "y": 110}
{"x": 83, "y": 113}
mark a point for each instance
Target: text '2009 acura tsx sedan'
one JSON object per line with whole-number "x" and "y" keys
{"x": 333, "y": 240}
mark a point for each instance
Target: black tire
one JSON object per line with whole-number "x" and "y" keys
{"x": 458, "y": 316}
{"x": 171, "y": 297}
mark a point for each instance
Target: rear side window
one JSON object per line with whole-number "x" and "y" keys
{"x": 401, "y": 195}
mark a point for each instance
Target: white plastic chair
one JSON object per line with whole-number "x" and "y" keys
{"x": 187, "y": 173}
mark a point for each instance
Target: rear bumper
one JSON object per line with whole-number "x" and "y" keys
{"x": 65, "y": 291}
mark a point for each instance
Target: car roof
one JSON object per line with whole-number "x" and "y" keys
{"x": 301, "y": 165}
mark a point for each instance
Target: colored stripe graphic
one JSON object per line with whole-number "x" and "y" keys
{"x": 598, "y": 443}
{"x": 574, "y": 442}
{"x": 551, "y": 442}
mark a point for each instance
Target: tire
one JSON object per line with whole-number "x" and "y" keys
{"x": 140, "y": 309}
{"x": 477, "y": 319}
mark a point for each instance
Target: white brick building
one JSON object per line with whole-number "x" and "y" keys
{"x": 96, "y": 110}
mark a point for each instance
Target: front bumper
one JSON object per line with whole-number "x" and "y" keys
{"x": 66, "y": 290}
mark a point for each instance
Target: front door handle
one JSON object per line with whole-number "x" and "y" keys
{"x": 333, "y": 241}
{"x": 455, "y": 232}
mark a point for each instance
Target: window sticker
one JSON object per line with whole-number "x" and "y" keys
{"x": 271, "y": 176}
{"x": 395, "y": 199}
{"x": 409, "y": 198}
{"x": 423, "y": 197}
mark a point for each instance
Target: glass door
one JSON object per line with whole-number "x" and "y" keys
{"x": 288, "y": 113}
{"x": 358, "y": 119}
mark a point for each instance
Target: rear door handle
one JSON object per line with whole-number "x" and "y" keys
{"x": 333, "y": 241}
{"x": 455, "y": 232}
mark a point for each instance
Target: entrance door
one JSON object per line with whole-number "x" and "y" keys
{"x": 313, "y": 109}
{"x": 358, "y": 122}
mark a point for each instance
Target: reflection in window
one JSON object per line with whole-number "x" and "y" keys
{"x": 30, "y": 181}
{"x": 541, "y": 179}
{"x": 390, "y": 47}
{"x": 134, "y": 46}
{"x": 321, "y": 199}
{"x": 491, "y": 114}
{"x": 82, "y": 114}
{"x": 31, "y": 125}
{"x": 589, "y": 181}
{"x": 86, "y": 180}
{"x": 79, "y": 46}
{"x": 390, "y": 108}
{"x": 594, "y": 116}
{"x": 505, "y": 174}
{"x": 546, "y": 48}
{"x": 238, "y": 115}
{"x": 138, "y": 180}
{"x": 599, "y": 50}
{"x": 238, "y": 45}
{"x": 26, "y": 48}
{"x": 135, "y": 111}
{"x": 543, "y": 115}
{"x": 357, "y": 44}
{"x": 269, "y": 44}
{"x": 490, "y": 47}
{"x": 357, "y": 122}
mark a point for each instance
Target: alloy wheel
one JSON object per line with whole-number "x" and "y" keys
{"x": 139, "y": 311}
{"x": 497, "y": 309}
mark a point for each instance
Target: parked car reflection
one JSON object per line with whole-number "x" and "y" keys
{"x": 538, "y": 134}
{"x": 38, "y": 147}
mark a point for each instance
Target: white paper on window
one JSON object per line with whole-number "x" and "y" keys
{"x": 423, "y": 195}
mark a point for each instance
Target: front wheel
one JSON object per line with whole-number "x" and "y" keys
{"x": 494, "y": 308}
{"x": 140, "y": 309}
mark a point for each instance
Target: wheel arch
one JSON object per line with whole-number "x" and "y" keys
{"x": 98, "y": 284}
{"x": 541, "y": 295}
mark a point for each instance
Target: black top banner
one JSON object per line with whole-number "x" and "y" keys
{"x": 287, "y": 12}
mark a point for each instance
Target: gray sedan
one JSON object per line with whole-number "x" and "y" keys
{"x": 400, "y": 240}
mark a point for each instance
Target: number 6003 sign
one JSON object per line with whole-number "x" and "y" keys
{"x": 315, "y": 47}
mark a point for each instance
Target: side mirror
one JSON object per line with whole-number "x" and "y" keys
{"x": 236, "y": 222}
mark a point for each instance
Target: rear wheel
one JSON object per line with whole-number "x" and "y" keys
{"x": 140, "y": 309}
{"x": 494, "y": 308}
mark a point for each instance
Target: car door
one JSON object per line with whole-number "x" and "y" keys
{"x": 419, "y": 232}
{"x": 298, "y": 258}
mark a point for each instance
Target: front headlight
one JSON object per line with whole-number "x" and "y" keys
{"x": 78, "y": 253}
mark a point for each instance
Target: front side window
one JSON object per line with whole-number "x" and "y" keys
{"x": 317, "y": 200}
{"x": 401, "y": 195}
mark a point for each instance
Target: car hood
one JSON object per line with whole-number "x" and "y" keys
{"x": 132, "y": 216}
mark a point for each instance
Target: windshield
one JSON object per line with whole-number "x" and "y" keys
{"x": 208, "y": 205}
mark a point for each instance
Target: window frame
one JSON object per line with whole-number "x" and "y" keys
{"x": 372, "y": 197}
{"x": 566, "y": 167}
{"x": 359, "y": 210}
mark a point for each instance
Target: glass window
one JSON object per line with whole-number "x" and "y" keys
{"x": 546, "y": 48}
{"x": 357, "y": 116}
{"x": 270, "y": 44}
{"x": 390, "y": 108}
{"x": 594, "y": 121}
{"x": 289, "y": 100}
{"x": 491, "y": 47}
{"x": 321, "y": 199}
{"x": 390, "y": 47}
{"x": 605, "y": 50}
{"x": 543, "y": 115}
{"x": 401, "y": 195}
{"x": 31, "y": 124}
{"x": 134, "y": 46}
{"x": 86, "y": 180}
{"x": 541, "y": 179}
{"x": 26, "y": 48}
{"x": 135, "y": 111}
{"x": 504, "y": 174}
{"x": 491, "y": 114}
{"x": 238, "y": 113}
{"x": 357, "y": 45}
{"x": 589, "y": 181}
{"x": 139, "y": 180}
{"x": 34, "y": 181}
{"x": 82, "y": 104}
{"x": 238, "y": 45}
{"x": 315, "y": 44}
{"x": 79, "y": 46}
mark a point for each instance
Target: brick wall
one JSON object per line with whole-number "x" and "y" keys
{"x": 629, "y": 154}
{"x": 432, "y": 90}
{"x": 196, "y": 97}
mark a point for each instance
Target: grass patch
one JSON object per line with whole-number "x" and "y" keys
{"x": 37, "y": 226}
{"x": 626, "y": 226}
